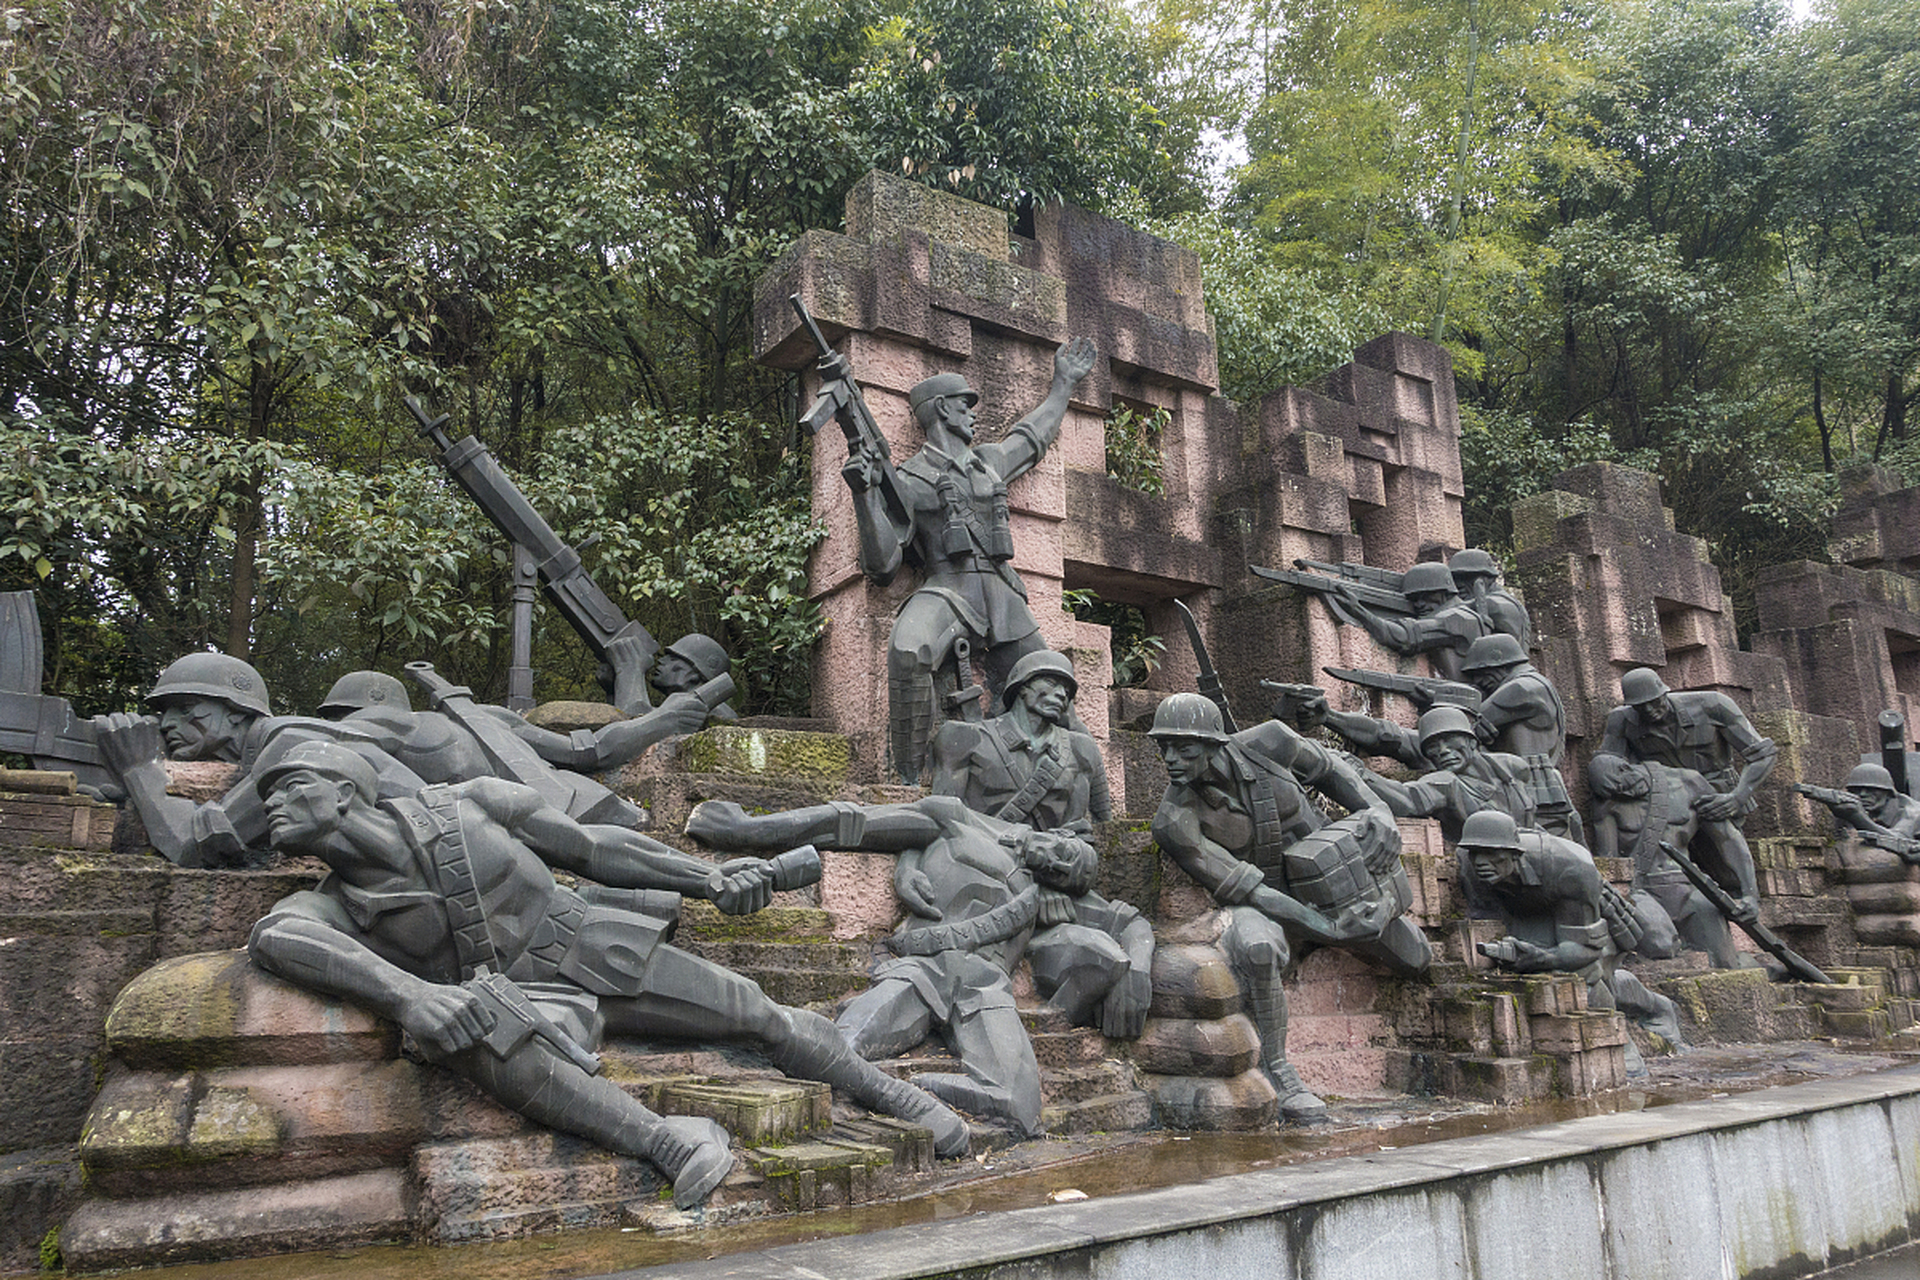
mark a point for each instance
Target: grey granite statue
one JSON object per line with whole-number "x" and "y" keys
{"x": 214, "y": 707}
{"x": 1442, "y": 625}
{"x": 1637, "y": 806}
{"x": 1464, "y": 780}
{"x": 1521, "y": 712}
{"x": 979, "y": 893}
{"x": 1236, "y": 817}
{"x": 1477, "y": 574}
{"x": 1705, "y": 732}
{"x": 1870, "y": 804}
{"x": 441, "y": 912}
{"x": 462, "y": 739}
{"x": 1028, "y": 765}
{"x": 685, "y": 666}
{"x": 1561, "y": 916}
{"x": 952, "y": 520}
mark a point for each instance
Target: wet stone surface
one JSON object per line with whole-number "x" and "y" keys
{"x": 1094, "y": 1165}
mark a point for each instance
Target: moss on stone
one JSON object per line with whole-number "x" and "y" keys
{"x": 783, "y": 752}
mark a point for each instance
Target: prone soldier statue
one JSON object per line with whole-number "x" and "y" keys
{"x": 441, "y": 913}
{"x": 980, "y": 893}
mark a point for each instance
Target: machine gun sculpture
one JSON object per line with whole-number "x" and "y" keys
{"x": 1378, "y": 589}
{"x": 1422, "y": 691}
{"x": 538, "y": 549}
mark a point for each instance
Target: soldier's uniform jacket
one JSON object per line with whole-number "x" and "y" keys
{"x": 1707, "y": 733}
{"x": 1052, "y": 781}
{"x": 1503, "y": 612}
{"x": 1491, "y": 780}
{"x": 477, "y": 896}
{"x": 962, "y": 533}
{"x": 1444, "y": 637}
{"x": 1252, "y": 823}
{"x": 1556, "y": 897}
{"x": 1527, "y": 716}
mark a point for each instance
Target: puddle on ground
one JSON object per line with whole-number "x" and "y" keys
{"x": 1030, "y": 1173}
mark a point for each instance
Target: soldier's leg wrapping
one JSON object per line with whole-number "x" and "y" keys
{"x": 1074, "y": 967}
{"x": 692, "y": 998}
{"x": 923, "y": 634}
{"x": 1661, "y": 941}
{"x": 886, "y": 1020}
{"x": 1256, "y": 949}
{"x": 1002, "y": 1077}
{"x": 544, "y": 1087}
{"x": 815, "y": 1049}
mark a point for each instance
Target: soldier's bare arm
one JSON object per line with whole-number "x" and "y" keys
{"x": 310, "y": 940}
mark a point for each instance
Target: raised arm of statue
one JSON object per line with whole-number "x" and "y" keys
{"x": 1030, "y": 438}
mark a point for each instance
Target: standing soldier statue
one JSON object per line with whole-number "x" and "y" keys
{"x": 945, "y": 510}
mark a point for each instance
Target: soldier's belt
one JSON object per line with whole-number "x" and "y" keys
{"x": 972, "y": 933}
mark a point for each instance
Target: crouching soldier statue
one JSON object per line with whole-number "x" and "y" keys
{"x": 1237, "y": 818}
{"x": 441, "y": 913}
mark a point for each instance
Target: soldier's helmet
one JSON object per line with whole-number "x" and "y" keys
{"x": 364, "y": 690}
{"x": 217, "y": 676}
{"x": 1443, "y": 720}
{"x": 1426, "y": 577}
{"x": 939, "y": 385}
{"x": 1490, "y": 829}
{"x": 1642, "y": 684}
{"x": 1188, "y": 715}
{"x": 1045, "y": 662}
{"x": 703, "y": 654}
{"x": 329, "y": 760}
{"x": 1473, "y": 563}
{"x": 1870, "y": 777}
{"x": 1496, "y": 650}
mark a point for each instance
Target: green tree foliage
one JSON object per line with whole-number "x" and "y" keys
{"x": 1013, "y": 103}
{"x": 236, "y": 233}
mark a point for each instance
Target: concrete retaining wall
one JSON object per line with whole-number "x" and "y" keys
{"x": 1778, "y": 1183}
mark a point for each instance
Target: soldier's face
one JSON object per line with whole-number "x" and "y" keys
{"x": 1046, "y": 698}
{"x": 675, "y": 674}
{"x": 957, "y": 416}
{"x": 1186, "y": 759}
{"x": 201, "y": 729}
{"x": 1487, "y": 679}
{"x": 1427, "y": 603}
{"x": 1451, "y": 750}
{"x": 1493, "y": 866}
{"x": 305, "y": 807}
{"x": 1873, "y": 799}
{"x": 1655, "y": 710}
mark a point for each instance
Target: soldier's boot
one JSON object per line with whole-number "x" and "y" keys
{"x": 1267, "y": 1002}
{"x": 815, "y": 1049}
{"x": 692, "y": 1152}
{"x": 837, "y": 825}
{"x": 970, "y": 1095}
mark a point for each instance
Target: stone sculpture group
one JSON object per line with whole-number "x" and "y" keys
{"x": 442, "y": 828}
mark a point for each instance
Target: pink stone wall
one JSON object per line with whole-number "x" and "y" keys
{"x": 1365, "y": 468}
